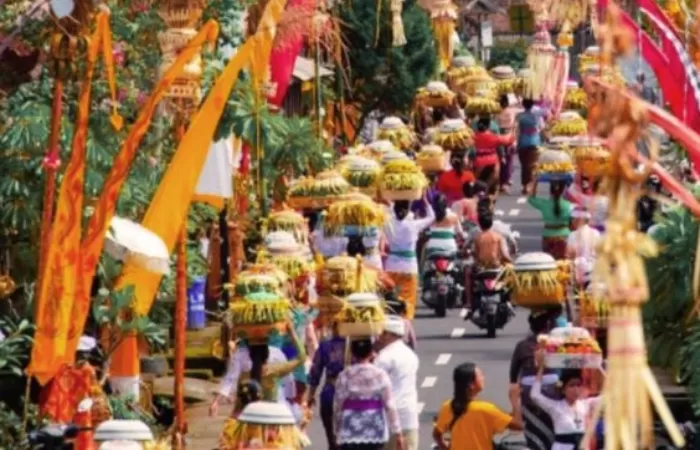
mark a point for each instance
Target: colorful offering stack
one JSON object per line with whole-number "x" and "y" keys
{"x": 569, "y": 123}
{"x": 435, "y": 95}
{"x": 453, "y": 135}
{"x": 393, "y": 129}
{"x": 431, "y": 158}
{"x": 340, "y": 277}
{"x": 354, "y": 215}
{"x": 539, "y": 281}
{"x": 402, "y": 180}
{"x": 268, "y": 425}
{"x": 570, "y": 348}
{"x": 555, "y": 165}
{"x": 362, "y": 173}
{"x": 592, "y": 159}
{"x": 259, "y": 316}
{"x": 362, "y": 316}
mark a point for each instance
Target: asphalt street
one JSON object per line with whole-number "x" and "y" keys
{"x": 445, "y": 343}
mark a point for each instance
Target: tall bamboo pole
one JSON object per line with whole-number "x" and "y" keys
{"x": 180, "y": 341}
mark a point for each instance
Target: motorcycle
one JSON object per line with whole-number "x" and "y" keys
{"x": 492, "y": 299}
{"x": 442, "y": 287}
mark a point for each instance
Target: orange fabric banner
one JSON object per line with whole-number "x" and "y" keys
{"x": 167, "y": 213}
{"x": 58, "y": 282}
{"x": 93, "y": 242}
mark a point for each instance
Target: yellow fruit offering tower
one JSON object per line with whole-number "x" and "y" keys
{"x": 538, "y": 280}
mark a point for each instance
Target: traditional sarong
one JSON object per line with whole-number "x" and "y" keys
{"x": 407, "y": 285}
{"x": 555, "y": 246}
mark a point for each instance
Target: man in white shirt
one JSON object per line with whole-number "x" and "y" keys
{"x": 581, "y": 245}
{"x": 240, "y": 362}
{"x": 401, "y": 363}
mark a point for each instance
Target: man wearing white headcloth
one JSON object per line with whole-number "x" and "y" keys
{"x": 401, "y": 363}
{"x": 581, "y": 245}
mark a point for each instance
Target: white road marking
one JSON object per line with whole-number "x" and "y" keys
{"x": 463, "y": 313}
{"x": 457, "y": 333}
{"x": 521, "y": 200}
{"x": 421, "y": 405}
{"x": 429, "y": 382}
{"x": 443, "y": 359}
{"x": 514, "y": 212}
{"x": 500, "y": 212}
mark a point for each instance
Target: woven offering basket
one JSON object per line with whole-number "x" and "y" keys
{"x": 360, "y": 329}
{"x": 256, "y": 316}
{"x": 362, "y": 316}
{"x": 435, "y": 95}
{"x": 453, "y": 134}
{"x": 570, "y": 348}
{"x": 394, "y": 130}
{"x": 408, "y": 195}
{"x": 538, "y": 280}
{"x": 431, "y": 163}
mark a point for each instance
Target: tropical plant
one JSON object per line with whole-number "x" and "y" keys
{"x": 12, "y": 430}
{"x": 670, "y": 319}
{"x": 508, "y": 53}
{"x": 381, "y": 76}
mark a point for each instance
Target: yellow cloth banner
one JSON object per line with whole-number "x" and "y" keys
{"x": 58, "y": 283}
{"x": 93, "y": 242}
{"x": 167, "y": 213}
{"x": 168, "y": 210}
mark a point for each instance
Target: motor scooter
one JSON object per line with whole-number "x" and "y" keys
{"x": 442, "y": 285}
{"x": 492, "y": 307}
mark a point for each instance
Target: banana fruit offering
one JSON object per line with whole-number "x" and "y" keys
{"x": 360, "y": 179}
{"x": 361, "y": 212}
{"x": 555, "y": 167}
{"x": 351, "y": 314}
{"x": 434, "y": 98}
{"x": 482, "y": 105}
{"x": 575, "y": 127}
{"x": 575, "y": 98}
{"x": 252, "y": 310}
{"x": 293, "y": 266}
{"x": 545, "y": 281}
{"x": 402, "y": 137}
{"x": 286, "y": 220}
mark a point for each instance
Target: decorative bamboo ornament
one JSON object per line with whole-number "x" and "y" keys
{"x": 629, "y": 385}
{"x": 397, "y": 31}
{"x": 443, "y": 14}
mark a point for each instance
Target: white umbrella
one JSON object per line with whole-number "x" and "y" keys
{"x": 129, "y": 241}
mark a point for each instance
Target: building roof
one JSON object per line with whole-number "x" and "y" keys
{"x": 304, "y": 69}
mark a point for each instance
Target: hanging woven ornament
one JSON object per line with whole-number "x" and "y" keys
{"x": 398, "y": 35}
{"x": 540, "y": 57}
{"x": 443, "y": 14}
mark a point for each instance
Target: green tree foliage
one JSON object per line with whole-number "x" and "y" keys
{"x": 674, "y": 336}
{"x": 381, "y": 76}
{"x": 26, "y": 113}
{"x": 506, "y": 53}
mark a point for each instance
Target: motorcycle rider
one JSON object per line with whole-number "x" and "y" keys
{"x": 490, "y": 251}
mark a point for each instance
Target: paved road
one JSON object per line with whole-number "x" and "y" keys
{"x": 445, "y": 343}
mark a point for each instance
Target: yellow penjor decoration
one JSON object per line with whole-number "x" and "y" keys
{"x": 397, "y": 31}
{"x": 629, "y": 385}
{"x": 443, "y": 14}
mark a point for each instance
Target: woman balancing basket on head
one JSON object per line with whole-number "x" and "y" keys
{"x": 256, "y": 319}
{"x": 556, "y": 168}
